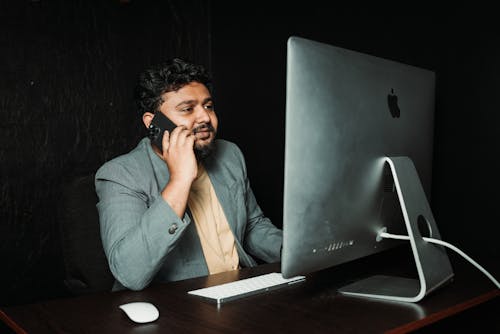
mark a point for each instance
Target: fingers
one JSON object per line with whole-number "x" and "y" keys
{"x": 181, "y": 136}
{"x": 165, "y": 142}
{"x": 177, "y": 141}
{"x": 179, "y": 156}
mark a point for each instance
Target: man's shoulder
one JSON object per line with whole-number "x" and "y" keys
{"x": 134, "y": 160}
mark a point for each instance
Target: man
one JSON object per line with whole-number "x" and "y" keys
{"x": 187, "y": 209}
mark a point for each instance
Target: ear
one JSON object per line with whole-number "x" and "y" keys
{"x": 147, "y": 117}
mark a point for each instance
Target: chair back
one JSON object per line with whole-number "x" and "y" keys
{"x": 86, "y": 266}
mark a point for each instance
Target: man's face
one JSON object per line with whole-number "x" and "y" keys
{"x": 192, "y": 106}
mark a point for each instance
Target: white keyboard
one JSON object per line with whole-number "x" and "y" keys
{"x": 245, "y": 287}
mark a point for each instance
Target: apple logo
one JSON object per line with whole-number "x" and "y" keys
{"x": 392, "y": 101}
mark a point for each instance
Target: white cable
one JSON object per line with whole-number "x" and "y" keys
{"x": 393, "y": 236}
{"x": 443, "y": 243}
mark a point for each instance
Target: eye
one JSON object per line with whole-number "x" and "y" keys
{"x": 188, "y": 109}
{"x": 209, "y": 106}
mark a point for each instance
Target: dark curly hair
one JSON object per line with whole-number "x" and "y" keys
{"x": 169, "y": 76}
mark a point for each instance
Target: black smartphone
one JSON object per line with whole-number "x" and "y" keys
{"x": 158, "y": 125}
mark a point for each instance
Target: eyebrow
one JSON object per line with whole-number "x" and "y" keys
{"x": 189, "y": 102}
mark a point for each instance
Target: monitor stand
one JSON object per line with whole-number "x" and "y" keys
{"x": 433, "y": 266}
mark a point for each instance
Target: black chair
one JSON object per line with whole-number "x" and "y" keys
{"x": 86, "y": 266}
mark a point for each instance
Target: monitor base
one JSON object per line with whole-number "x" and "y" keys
{"x": 433, "y": 266}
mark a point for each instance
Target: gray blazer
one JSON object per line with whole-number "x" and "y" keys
{"x": 145, "y": 241}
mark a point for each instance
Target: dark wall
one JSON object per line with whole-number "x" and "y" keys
{"x": 249, "y": 59}
{"x": 249, "y": 56}
{"x": 467, "y": 146}
{"x": 67, "y": 70}
{"x": 66, "y": 75}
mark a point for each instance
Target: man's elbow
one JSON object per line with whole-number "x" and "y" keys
{"x": 135, "y": 285}
{"x": 135, "y": 280}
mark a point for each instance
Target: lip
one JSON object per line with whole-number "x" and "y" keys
{"x": 202, "y": 135}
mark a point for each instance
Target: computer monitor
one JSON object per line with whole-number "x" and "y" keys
{"x": 358, "y": 161}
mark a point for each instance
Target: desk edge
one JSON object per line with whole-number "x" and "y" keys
{"x": 455, "y": 309}
{"x": 11, "y": 323}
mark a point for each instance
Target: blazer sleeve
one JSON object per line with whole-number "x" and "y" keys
{"x": 262, "y": 238}
{"x": 137, "y": 231}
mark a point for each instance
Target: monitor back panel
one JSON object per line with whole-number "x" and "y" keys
{"x": 340, "y": 124}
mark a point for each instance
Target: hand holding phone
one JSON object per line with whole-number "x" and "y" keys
{"x": 180, "y": 160}
{"x": 158, "y": 126}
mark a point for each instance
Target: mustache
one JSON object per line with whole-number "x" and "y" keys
{"x": 203, "y": 127}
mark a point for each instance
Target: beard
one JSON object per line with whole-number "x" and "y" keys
{"x": 201, "y": 152}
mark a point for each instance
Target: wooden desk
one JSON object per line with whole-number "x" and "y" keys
{"x": 312, "y": 306}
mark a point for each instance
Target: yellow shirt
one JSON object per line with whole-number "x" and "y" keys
{"x": 217, "y": 239}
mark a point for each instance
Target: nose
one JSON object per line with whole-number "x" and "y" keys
{"x": 202, "y": 115}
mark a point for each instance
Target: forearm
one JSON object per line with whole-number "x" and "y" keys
{"x": 136, "y": 254}
{"x": 176, "y": 194}
{"x": 138, "y": 231}
{"x": 262, "y": 238}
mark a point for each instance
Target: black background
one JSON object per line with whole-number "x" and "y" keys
{"x": 67, "y": 70}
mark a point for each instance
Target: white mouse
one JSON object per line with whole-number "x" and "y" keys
{"x": 140, "y": 312}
